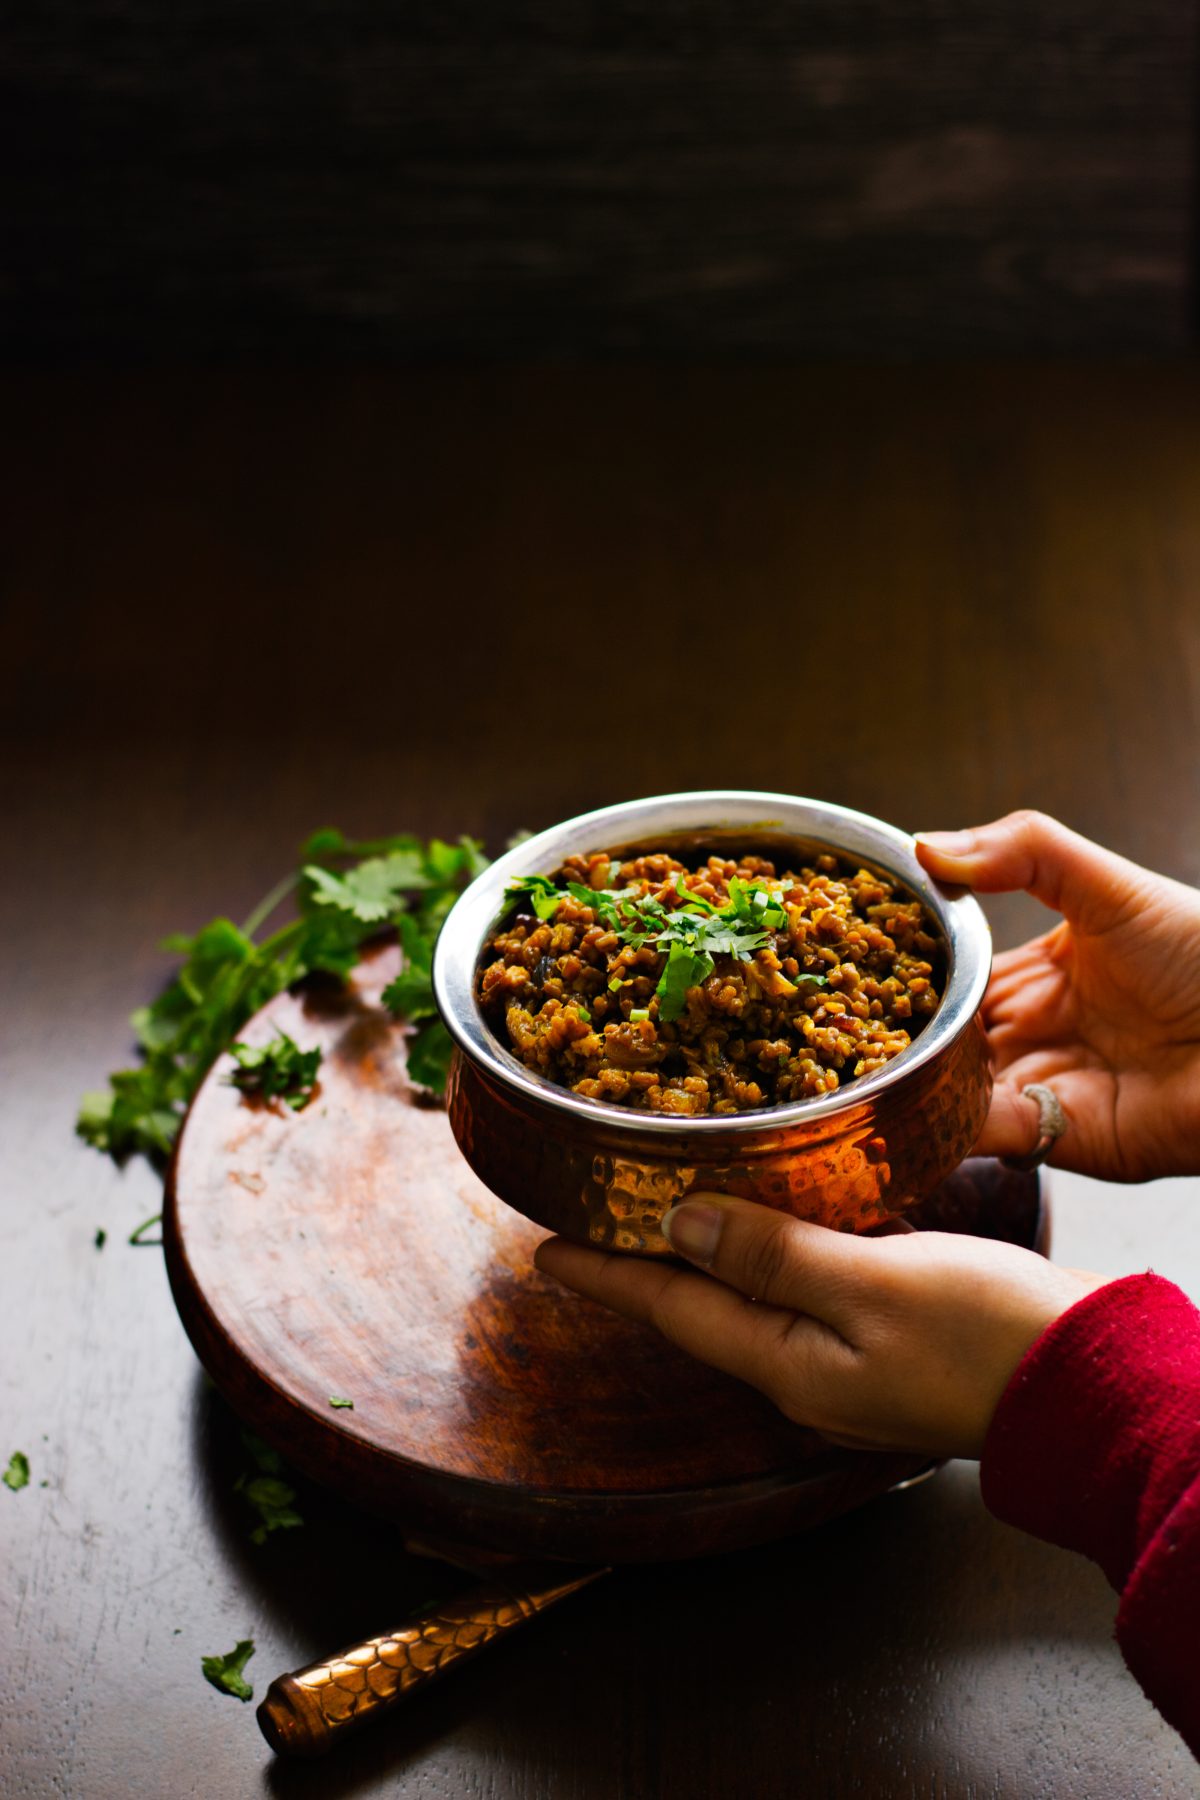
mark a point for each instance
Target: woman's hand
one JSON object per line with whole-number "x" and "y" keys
{"x": 1105, "y": 1008}
{"x": 903, "y": 1342}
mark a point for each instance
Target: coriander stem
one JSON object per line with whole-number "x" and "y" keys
{"x": 267, "y": 905}
{"x": 280, "y": 937}
{"x": 136, "y": 1238}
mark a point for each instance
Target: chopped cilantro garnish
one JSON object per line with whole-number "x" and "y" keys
{"x": 691, "y": 897}
{"x": 101, "y": 1237}
{"x": 16, "y": 1476}
{"x": 686, "y": 968}
{"x": 691, "y": 934}
{"x": 137, "y": 1236}
{"x": 337, "y": 1402}
{"x": 225, "y": 1672}
{"x": 541, "y": 893}
{"x": 277, "y": 1070}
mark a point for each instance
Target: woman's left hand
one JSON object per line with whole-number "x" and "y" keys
{"x": 898, "y": 1342}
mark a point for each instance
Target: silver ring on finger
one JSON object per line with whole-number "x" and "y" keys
{"x": 1052, "y": 1122}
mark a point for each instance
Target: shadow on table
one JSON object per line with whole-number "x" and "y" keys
{"x": 859, "y": 1645}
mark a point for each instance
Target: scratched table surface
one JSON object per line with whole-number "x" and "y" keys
{"x": 241, "y": 606}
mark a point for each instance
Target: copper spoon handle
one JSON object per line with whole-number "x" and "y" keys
{"x": 307, "y": 1713}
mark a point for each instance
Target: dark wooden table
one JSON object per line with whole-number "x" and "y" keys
{"x": 238, "y": 607}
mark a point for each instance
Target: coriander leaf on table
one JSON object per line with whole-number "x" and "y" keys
{"x": 272, "y": 1499}
{"x": 16, "y": 1476}
{"x": 265, "y": 1460}
{"x": 225, "y": 1672}
{"x": 276, "y": 1070}
{"x": 265, "y": 1490}
{"x": 344, "y": 892}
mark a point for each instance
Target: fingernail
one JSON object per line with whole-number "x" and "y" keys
{"x": 694, "y": 1229}
{"x": 949, "y": 843}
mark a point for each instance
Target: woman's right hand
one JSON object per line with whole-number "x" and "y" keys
{"x": 1105, "y": 1008}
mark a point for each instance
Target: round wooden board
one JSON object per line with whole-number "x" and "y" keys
{"x": 347, "y": 1250}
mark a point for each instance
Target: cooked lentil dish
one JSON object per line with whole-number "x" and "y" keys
{"x": 711, "y": 989}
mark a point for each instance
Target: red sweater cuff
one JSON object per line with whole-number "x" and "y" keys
{"x": 1097, "y": 1436}
{"x": 1156, "y": 1624}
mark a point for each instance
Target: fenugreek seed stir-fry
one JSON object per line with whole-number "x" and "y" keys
{"x": 712, "y": 989}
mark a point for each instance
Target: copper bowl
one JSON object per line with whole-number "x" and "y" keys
{"x": 601, "y": 1175}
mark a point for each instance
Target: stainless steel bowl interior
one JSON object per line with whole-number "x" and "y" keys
{"x": 745, "y": 815}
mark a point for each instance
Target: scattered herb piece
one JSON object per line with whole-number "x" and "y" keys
{"x": 335, "y": 1400}
{"x": 136, "y": 1237}
{"x": 265, "y": 1460}
{"x": 101, "y": 1237}
{"x": 272, "y": 1501}
{"x": 225, "y": 1672}
{"x": 265, "y": 1490}
{"x": 638, "y": 1013}
{"x": 277, "y": 1070}
{"x": 16, "y": 1476}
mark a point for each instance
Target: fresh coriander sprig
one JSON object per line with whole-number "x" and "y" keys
{"x": 344, "y": 892}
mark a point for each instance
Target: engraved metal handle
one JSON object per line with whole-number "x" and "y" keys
{"x": 307, "y": 1713}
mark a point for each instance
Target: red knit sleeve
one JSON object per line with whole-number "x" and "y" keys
{"x": 1095, "y": 1445}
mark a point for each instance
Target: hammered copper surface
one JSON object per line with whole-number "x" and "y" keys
{"x": 307, "y": 1713}
{"x": 598, "y": 1182}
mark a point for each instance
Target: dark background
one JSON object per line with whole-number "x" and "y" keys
{"x": 337, "y": 178}
{"x": 453, "y": 418}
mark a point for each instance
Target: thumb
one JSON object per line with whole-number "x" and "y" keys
{"x": 1091, "y": 886}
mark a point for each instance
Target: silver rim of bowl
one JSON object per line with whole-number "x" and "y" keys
{"x": 481, "y": 906}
